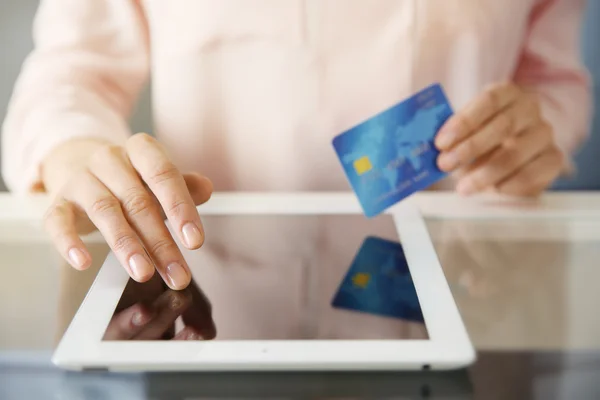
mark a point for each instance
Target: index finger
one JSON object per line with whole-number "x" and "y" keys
{"x": 167, "y": 308}
{"x": 168, "y": 185}
{"x": 128, "y": 323}
{"x": 466, "y": 122}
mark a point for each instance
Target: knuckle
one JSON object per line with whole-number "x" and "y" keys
{"x": 166, "y": 171}
{"x": 493, "y": 87}
{"x": 177, "y": 208}
{"x": 107, "y": 154}
{"x": 491, "y": 97}
{"x": 123, "y": 243}
{"x": 464, "y": 125}
{"x": 137, "y": 143}
{"x": 138, "y": 202}
{"x": 140, "y": 138}
{"x": 55, "y": 211}
{"x": 54, "y": 222}
{"x": 509, "y": 87}
{"x": 494, "y": 94}
{"x": 163, "y": 247}
{"x": 105, "y": 205}
{"x": 506, "y": 124}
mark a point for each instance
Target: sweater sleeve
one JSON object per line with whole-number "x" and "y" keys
{"x": 551, "y": 66}
{"x": 89, "y": 63}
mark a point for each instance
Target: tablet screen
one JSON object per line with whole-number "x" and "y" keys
{"x": 324, "y": 277}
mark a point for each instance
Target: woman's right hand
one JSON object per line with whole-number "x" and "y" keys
{"x": 124, "y": 192}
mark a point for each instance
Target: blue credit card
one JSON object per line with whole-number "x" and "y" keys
{"x": 392, "y": 155}
{"x": 379, "y": 282}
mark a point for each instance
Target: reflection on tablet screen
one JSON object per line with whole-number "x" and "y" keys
{"x": 281, "y": 278}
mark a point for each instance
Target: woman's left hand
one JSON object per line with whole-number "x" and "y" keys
{"x": 500, "y": 142}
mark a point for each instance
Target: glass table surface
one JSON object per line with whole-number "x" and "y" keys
{"x": 527, "y": 287}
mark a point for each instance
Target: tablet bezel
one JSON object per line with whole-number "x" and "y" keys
{"x": 448, "y": 346}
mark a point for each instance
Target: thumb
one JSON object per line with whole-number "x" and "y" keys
{"x": 200, "y": 187}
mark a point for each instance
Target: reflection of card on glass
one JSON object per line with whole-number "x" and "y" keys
{"x": 392, "y": 155}
{"x": 379, "y": 282}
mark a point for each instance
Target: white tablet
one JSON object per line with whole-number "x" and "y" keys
{"x": 283, "y": 282}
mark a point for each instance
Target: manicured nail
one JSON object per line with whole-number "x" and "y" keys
{"x": 444, "y": 140}
{"x": 177, "y": 275}
{"x": 174, "y": 301}
{"x": 140, "y": 267}
{"x": 194, "y": 336}
{"x": 465, "y": 187}
{"x": 77, "y": 258}
{"x": 139, "y": 318}
{"x": 448, "y": 161}
{"x": 191, "y": 235}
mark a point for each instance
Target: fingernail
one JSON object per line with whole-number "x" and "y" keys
{"x": 140, "y": 318}
{"x": 174, "y": 301}
{"x": 140, "y": 267}
{"x": 77, "y": 258}
{"x": 191, "y": 235}
{"x": 194, "y": 336}
{"x": 177, "y": 275}
{"x": 444, "y": 140}
{"x": 448, "y": 161}
{"x": 465, "y": 187}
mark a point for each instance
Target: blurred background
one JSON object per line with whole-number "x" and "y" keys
{"x": 15, "y": 43}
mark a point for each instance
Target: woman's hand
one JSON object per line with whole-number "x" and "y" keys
{"x": 500, "y": 142}
{"x": 123, "y": 191}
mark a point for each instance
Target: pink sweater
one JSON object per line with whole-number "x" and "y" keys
{"x": 251, "y": 92}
